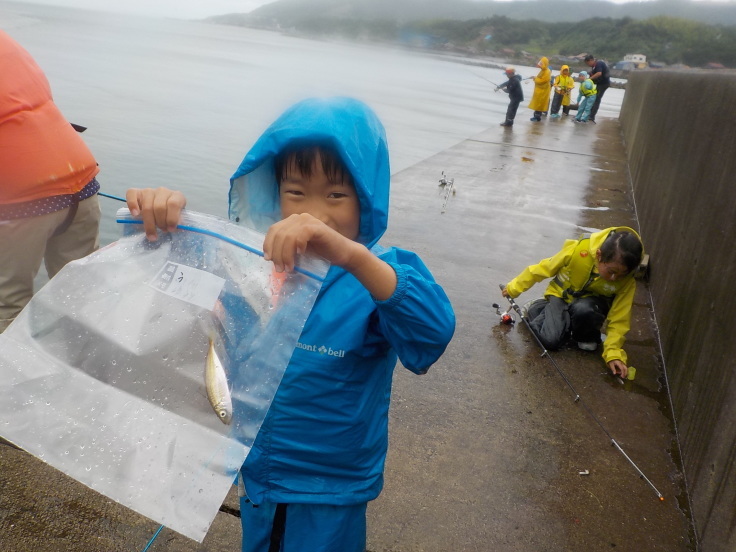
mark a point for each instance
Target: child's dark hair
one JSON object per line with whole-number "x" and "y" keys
{"x": 622, "y": 247}
{"x": 301, "y": 157}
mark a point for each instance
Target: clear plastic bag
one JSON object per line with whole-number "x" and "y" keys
{"x": 102, "y": 374}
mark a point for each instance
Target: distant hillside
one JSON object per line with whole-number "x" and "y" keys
{"x": 285, "y": 13}
{"x": 447, "y": 26}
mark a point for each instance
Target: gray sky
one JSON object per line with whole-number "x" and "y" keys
{"x": 187, "y": 9}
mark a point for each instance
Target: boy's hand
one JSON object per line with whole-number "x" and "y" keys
{"x": 618, "y": 368}
{"x": 294, "y": 234}
{"x": 291, "y": 236}
{"x": 158, "y": 208}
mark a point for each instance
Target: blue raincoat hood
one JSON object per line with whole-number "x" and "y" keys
{"x": 346, "y": 124}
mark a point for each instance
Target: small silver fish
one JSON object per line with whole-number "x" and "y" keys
{"x": 216, "y": 385}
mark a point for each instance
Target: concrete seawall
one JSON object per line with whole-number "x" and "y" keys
{"x": 680, "y": 137}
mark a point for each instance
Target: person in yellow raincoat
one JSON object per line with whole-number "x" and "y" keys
{"x": 592, "y": 282}
{"x": 563, "y": 86}
{"x": 542, "y": 86}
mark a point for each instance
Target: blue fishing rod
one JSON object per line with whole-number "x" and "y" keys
{"x": 111, "y": 196}
{"x": 506, "y": 318}
{"x": 153, "y": 538}
{"x": 214, "y": 235}
{"x": 161, "y": 527}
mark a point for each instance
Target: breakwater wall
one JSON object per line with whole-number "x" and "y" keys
{"x": 680, "y": 136}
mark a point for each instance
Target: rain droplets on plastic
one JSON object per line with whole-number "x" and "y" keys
{"x": 102, "y": 374}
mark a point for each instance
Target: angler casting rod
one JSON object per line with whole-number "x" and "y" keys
{"x": 578, "y": 398}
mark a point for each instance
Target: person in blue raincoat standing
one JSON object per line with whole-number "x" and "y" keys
{"x": 318, "y": 180}
{"x": 586, "y": 93}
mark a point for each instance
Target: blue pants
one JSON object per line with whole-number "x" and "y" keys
{"x": 270, "y": 527}
{"x": 584, "y": 108}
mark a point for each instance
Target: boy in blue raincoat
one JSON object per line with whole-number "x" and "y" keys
{"x": 318, "y": 180}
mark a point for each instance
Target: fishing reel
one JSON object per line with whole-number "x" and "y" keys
{"x": 507, "y": 317}
{"x": 445, "y": 182}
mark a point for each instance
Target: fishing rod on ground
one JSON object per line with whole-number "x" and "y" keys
{"x": 449, "y": 187}
{"x": 153, "y": 538}
{"x": 507, "y": 318}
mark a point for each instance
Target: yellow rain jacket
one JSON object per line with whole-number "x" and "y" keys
{"x": 574, "y": 267}
{"x": 564, "y": 84}
{"x": 542, "y": 87}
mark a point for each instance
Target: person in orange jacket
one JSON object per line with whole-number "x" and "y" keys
{"x": 49, "y": 210}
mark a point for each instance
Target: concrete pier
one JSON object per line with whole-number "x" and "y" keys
{"x": 683, "y": 179}
{"x": 489, "y": 451}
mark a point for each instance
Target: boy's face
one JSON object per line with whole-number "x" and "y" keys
{"x": 334, "y": 203}
{"x": 610, "y": 271}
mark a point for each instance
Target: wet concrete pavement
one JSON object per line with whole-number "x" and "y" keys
{"x": 486, "y": 449}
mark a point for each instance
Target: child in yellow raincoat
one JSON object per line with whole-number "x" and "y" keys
{"x": 542, "y": 86}
{"x": 592, "y": 281}
{"x": 563, "y": 87}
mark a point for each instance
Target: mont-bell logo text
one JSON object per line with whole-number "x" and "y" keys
{"x": 321, "y": 349}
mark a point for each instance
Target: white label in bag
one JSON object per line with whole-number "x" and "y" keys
{"x": 192, "y": 285}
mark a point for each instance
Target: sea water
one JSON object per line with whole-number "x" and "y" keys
{"x": 178, "y": 103}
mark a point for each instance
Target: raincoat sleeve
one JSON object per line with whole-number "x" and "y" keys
{"x": 542, "y": 87}
{"x": 546, "y": 268}
{"x": 619, "y": 323}
{"x": 543, "y": 76}
{"x": 417, "y": 320}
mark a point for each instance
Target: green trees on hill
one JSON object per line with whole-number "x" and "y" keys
{"x": 663, "y": 39}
